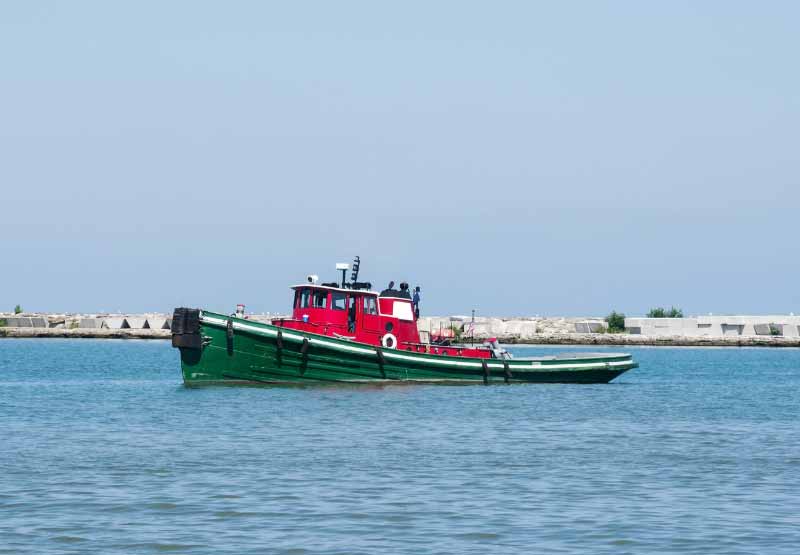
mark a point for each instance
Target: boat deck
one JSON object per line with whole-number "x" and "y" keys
{"x": 573, "y": 356}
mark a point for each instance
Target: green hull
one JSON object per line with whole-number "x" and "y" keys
{"x": 233, "y": 351}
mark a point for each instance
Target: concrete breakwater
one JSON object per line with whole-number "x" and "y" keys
{"x": 158, "y": 325}
{"x": 775, "y": 325}
{"x": 516, "y": 329}
{"x": 98, "y": 333}
{"x": 152, "y": 325}
{"x": 757, "y": 331}
{"x": 623, "y": 339}
{"x": 752, "y": 331}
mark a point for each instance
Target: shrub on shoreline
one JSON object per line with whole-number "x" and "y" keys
{"x": 660, "y": 312}
{"x": 616, "y": 322}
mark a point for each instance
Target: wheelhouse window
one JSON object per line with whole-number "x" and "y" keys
{"x": 320, "y": 299}
{"x": 338, "y": 300}
{"x": 370, "y": 305}
{"x": 305, "y": 298}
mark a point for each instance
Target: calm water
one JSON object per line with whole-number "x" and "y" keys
{"x": 103, "y": 451}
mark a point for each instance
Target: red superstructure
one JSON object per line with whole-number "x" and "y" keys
{"x": 354, "y": 312}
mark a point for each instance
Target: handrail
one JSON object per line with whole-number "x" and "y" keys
{"x": 298, "y": 320}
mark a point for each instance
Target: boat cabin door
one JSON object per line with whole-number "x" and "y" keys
{"x": 352, "y": 314}
{"x": 370, "y": 321}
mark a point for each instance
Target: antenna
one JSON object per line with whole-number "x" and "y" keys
{"x": 356, "y": 265}
{"x": 472, "y": 328}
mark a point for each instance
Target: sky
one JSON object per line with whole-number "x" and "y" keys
{"x": 516, "y": 158}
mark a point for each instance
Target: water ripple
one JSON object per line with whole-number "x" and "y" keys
{"x": 103, "y": 451}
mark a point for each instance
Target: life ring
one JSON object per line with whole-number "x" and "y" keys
{"x": 389, "y": 341}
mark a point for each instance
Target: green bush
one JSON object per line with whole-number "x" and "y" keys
{"x": 17, "y": 309}
{"x": 616, "y": 322}
{"x": 660, "y": 312}
{"x": 3, "y": 322}
{"x": 774, "y": 330}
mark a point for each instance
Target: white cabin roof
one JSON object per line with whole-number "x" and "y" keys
{"x": 342, "y": 289}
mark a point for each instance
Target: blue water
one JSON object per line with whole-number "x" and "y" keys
{"x": 102, "y": 450}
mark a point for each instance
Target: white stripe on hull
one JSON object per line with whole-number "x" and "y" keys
{"x": 419, "y": 358}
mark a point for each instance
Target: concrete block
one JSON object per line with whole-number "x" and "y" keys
{"x": 519, "y": 328}
{"x": 136, "y": 322}
{"x": 766, "y": 329}
{"x": 763, "y": 329}
{"x": 433, "y": 324}
{"x": 90, "y": 323}
{"x": 732, "y": 329}
{"x": 489, "y": 327}
{"x": 708, "y": 329}
{"x": 17, "y": 322}
{"x": 26, "y": 321}
{"x": 157, "y": 323}
{"x": 589, "y": 327}
{"x": 115, "y": 323}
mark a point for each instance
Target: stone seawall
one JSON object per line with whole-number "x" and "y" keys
{"x": 779, "y": 325}
{"x": 623, "y": 339}
{"x": 521, "y": 328}
{"x": 612, "y": 339}
{"x": 588, "y": 331}
{"x": 519, "y": 331}
{"x": 86, "y": 333}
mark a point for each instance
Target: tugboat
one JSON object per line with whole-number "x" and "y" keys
{"x": 344, "y": 332}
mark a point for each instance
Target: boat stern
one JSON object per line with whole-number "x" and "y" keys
{"x": 187, "y": 337}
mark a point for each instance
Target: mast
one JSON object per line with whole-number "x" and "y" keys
{"x": 472, "y": 328}
{"x": 356, "y": 266}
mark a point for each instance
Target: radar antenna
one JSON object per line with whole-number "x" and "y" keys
{"x": 354, "y": 274}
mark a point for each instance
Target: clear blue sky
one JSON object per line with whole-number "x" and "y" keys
{"x": 516, "y": 157}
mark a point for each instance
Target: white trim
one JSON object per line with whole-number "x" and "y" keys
{"x": 420, "y": 357}
{"x": 511, "y": 365}
{"x": 329, "y": 288}
{"x": 293, "y": 336}
{"x": 368, "y": 292}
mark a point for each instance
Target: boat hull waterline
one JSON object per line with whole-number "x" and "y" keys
{"x": 222, "y": 350}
